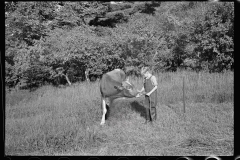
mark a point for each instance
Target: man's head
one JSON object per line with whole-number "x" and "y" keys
{"x": 145, "y": 72}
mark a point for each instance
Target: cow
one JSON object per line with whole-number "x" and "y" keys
{"x": 114, "y": 84}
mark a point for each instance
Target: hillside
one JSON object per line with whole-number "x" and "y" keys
{"x": 61, "y": 43}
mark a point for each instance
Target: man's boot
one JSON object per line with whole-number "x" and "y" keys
{"x": 154, "y": 113}
{"x": 148, "y": 118}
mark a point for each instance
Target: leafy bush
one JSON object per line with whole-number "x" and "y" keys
{"x": 59, "y": 42}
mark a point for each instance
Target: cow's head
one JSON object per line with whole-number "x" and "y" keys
{"x": 126, "y": 89}
{"x": 115, "y": 85}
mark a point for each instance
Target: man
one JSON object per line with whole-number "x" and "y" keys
{"x": 150, "y": 87}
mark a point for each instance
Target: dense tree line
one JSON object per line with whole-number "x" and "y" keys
{"x": 59, "y": 42}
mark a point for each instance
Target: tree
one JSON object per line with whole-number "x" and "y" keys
{"x": 214, "y": 37}
{"x": 61, "y": 42}
{"x": 29, "y": 22}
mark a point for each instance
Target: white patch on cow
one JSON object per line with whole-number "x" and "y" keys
{"x": 104, "y": 111}
{"x": 117, "y": 69}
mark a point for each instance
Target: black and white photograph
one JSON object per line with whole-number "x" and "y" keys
{"x": 119, "y": 78}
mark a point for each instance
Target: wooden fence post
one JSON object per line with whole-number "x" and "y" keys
{"x": 184, "y": 109}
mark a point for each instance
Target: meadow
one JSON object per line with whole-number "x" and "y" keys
{"x": 66, "y": 121}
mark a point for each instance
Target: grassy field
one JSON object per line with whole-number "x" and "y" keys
{"x": 66, "y": 121}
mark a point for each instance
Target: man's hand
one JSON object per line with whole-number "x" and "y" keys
{"x": 140, "y": 94}
{"x": 147, "y": 94}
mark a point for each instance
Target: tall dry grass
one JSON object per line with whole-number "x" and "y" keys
{"x": 199, "y": 87}
{"x": 65, "y": 121}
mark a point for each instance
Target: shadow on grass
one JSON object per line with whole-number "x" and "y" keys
{"x": 139, "y": 108}
{"x": 124, "y": 106}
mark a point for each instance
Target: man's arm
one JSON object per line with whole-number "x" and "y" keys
{"x": 149, "y": 93}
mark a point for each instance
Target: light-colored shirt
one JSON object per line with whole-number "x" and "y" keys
{"x": 153, "y": 80}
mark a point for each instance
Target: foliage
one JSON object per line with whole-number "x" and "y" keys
{"x": 56, "y": 42}
{"x": 214, "y": 37}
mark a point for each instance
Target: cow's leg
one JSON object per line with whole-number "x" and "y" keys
{"x": 104, "y": 110}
